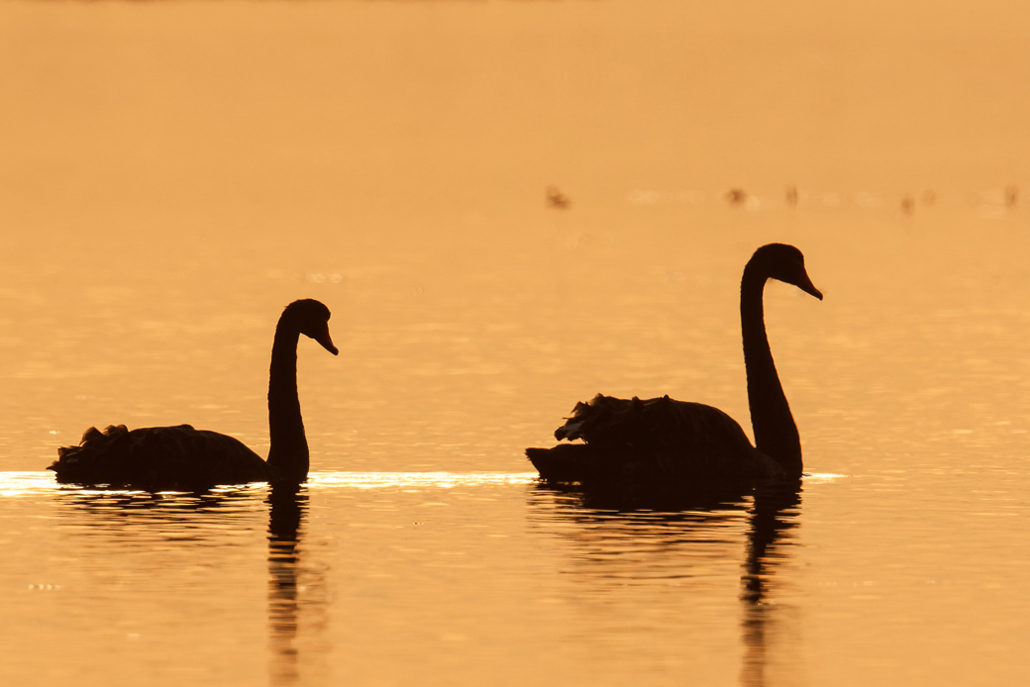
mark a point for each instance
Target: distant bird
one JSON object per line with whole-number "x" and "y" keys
{"x": 554, "y": 198}
{"x": 792, "y": 196}
{"x": 1011, "y": 195}
{"x": 663, "y": 442}
{"x": 162, "y": 457}
{"x": 736, "y": 196}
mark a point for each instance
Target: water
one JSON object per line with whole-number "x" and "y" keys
{"x": 174, "y": 173}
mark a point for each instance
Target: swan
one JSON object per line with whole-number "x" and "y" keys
{"x": 155, "y": 457}
{"x": 661, "y": 441}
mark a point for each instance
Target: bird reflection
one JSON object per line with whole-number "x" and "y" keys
{"x": 296, "y": 591}
{"x": 634, "y": 539}
{"x": 772, "y": 514}
{"x": 118, "y": 514}
{"x": 288, "y": 505}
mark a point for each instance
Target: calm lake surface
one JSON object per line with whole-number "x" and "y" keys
{"x": 173, "y": 174}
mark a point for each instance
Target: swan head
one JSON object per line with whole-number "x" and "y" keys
{"x": 787, "y": 264}
{"x": 311, "y": 318}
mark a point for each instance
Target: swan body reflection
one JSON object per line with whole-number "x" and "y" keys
{"x": 653, "y": 546}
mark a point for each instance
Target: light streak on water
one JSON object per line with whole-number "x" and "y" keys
{"x": 441, "y": 480}
{"x": 14, "y": 484}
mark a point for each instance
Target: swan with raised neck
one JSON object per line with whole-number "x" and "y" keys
{"x": 181, "y": 456}
{"x": 288, "y": 455}
{"x": 663, "y": 441}
{"x": 776, "y": 434}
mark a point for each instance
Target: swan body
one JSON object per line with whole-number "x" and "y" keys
{"x": 664, "y": 442}
{"x": 181, "y": 456}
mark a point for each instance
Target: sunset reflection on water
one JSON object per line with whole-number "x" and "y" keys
{"x": 509, "y": 207}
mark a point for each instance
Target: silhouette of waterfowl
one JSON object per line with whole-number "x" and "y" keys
{"x": 664, "y": 443}
{"x": 736, "y": 196}
{"x": 556, "y": 199}
{"x": 184, "y": 457}
{"x": 1011, "y": 195}
{"x": 792, "y": 196}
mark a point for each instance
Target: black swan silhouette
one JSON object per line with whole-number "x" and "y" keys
{"x": 161, "y": 457}
{"x": 663, "y": 442}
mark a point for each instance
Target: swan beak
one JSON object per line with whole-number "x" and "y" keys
{"x": 326, "y": 341}
{"x": 806, "y": 285}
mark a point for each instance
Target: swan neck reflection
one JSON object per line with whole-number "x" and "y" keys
{"x": 288, "y": 506}
{"x": 773, "y": 513}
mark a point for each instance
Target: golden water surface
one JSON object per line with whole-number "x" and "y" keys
{"x": 510, "y": 206}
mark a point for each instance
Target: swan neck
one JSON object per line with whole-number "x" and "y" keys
{"x": 288, "y": 451}
{"x": 776, "y": 435}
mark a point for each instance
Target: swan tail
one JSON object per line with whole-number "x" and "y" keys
{"x": 592, "y": 466}
{"x": 563, "y": 463}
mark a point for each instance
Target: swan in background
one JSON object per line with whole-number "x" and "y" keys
{"x": 661, "y": 441}
{"x": 158, "y": 457}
